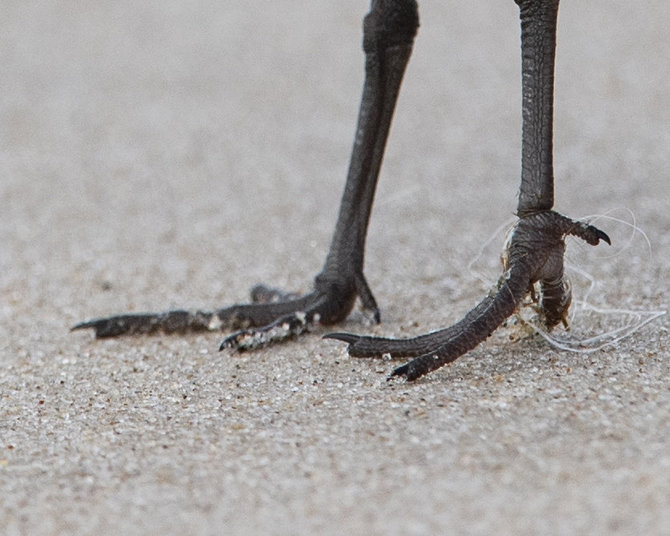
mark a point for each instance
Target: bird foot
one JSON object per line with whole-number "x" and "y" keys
{"x": 533, "y": 254}
{"x": 272, "y": 316}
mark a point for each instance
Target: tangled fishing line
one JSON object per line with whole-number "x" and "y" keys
{"x": 585, "y": 315}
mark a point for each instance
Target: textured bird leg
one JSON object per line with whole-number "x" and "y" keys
{"x": 534, "y": 253}
{"x": 537, "y": 245}
{"x": 389, "y": 31}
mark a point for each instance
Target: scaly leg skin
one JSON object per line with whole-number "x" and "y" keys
{"x": 389, "y": 31}
{"x": 535, "y": 252}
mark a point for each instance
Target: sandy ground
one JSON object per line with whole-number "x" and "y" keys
{"x": 172, "y": 154}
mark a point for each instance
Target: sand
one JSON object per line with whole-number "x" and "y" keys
{"x": 173, "y": 154}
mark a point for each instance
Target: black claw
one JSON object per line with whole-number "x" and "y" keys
{"x": 401, "y": 371}
{"x": 603, "y": 236}
{"x": 84, "y": 325}
{"x": 349, "y": 338}
{"x": 107, "y": 327}
{"x": 587, "y": 232}
{"x": 232, "y": 341}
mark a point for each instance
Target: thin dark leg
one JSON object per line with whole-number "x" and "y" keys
{"x": 538, "y": 52}
{"x": 535, "y": 251}
{"x": 389, "y": 31}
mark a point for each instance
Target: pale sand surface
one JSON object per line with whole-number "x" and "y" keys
{"x": 172, "y": 154}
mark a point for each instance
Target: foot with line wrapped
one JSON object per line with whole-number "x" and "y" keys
{"x": 534, "y": 254}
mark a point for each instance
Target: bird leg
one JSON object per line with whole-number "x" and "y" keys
{"x": 534, "y": 253}
{"x": 389, "y": 31}
{"x": 537, "y": 245}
